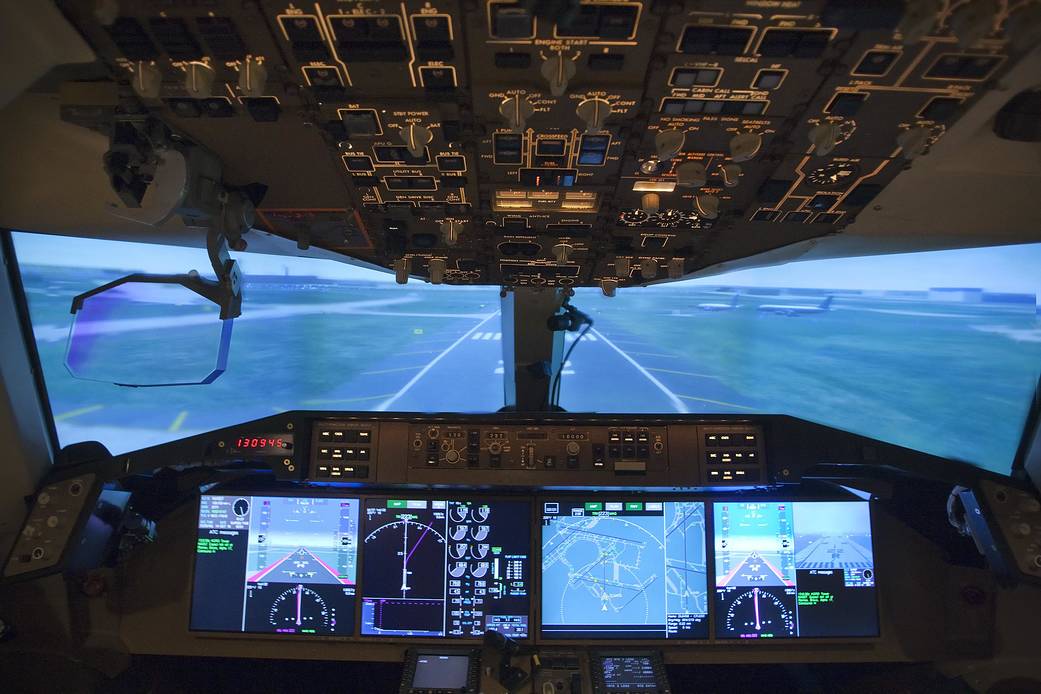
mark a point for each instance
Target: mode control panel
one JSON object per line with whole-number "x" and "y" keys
{"x": 618, "y": 449}
{"x": 344, "y": 450}
{"x": 732, "y": 454}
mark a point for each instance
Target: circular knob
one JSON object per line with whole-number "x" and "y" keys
{"x": 918, "y": 20}
{"x": 562, "y": 252}
{"x": 516, "y": 110}
{"x": 1022, "y": 529}
{"x": 437, "y": 270}
{"x": 707, "y": 206}
{"x": 675, "y": 268}
{"x": 495, "y": 448}
{"x": 450, "y": 231}
{"x": 913, "y": 142}
{"x": 416, "y": 138}
{"x": 558, "y": 71}
{"x": 43, "y": 499}
{"x": 198, "y": 80}
{"x": 452, "y": 457}
{"x": 30, "y": 531}
{"x": 402, "y": 269}
{"x": 608, "y": 286}
{"x": 824, "y": 138}
{"x": 744, "y": 146}
{"x": 650, "y": 203}
{"x": 973, "y": 20}
{"x": 621, "y": 267}
{"x": 1030, "y": 506}
{"x": 148, "y": 81}
{"x": 252, "y": 77}
{"x": 649, "y": 268}
{"x": 573, "y": 448}
{"x": 691, "y": 174}
{"x": 731, "y": 174}
{"x": 669, "y": 143}
{"x": 593, "y": 112}
{"x": 53, "y": 521}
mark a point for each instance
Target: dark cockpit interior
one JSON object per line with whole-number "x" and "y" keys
{"x": 520, "y": 346}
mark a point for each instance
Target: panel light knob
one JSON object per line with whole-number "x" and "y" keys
{"x": 402, "y": 269}
{"x": 416, "y": 138}
{"x": 148, "y": 81}
{"x": 558, "y": 71}
{"x": 252, "y": 77}
{"x": 918, "y": 20}
{"x": 669, "y": 143}
{"x": 437, "y": 270}
{"x": 824, "y": 137}
{"x": 707, "y": 206}
{"x": 691, "y": 174}
{"x": 973, "y": 21}
{"x": 744, "y": 146}
{"x": 608, "y": 286}
{"x": 562, "y": 252}
{"x": 198, "y": 80}
{"x": 516, "y": 110}
{"x": 731, "y": 174}
{"x": 593, "y": 112}
{"x": 649, "y": 268}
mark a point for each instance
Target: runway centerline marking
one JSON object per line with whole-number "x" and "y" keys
{"x": 77, "y": 412}
{"x": 676, "y": 402}
{"x": 385, "y": 405}
{"x": 178, "y": 421}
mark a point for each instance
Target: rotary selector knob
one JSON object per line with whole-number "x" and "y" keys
{"x": 402, "y": 269}
{"x": 593, "y": 112}
{"x": 495, "y": 448}
{"x": 675, "y": 268}
{"x": 691, "y": 174}
{"x": 650, "y": 203}
{"x": 148, "y": 81}
{"x": 558, "y": 71}
{"x": 30, "y": 531}
{"x": 198, "y": 80}
{"x": 973, "y": 20}
{"x": 450, "y": 231}
{"x": 913, "y": 142}
{"x": 824, "y": 137}
{"x": 744, "y": 146}
{"x": 731, "y": 175}
{"x": 43, "y": 499}
{"x": 669, "y": 143}
{"x": 437, "y": 270}
{"x": 918, "y": 20}
{"x": 707, "y": 206}
{"x": 452, "y": 456}
{"x": 53, "y": 521}
{"x": 1022, "y": 530}
{"x": 573, "y": 448}
{"x": 416, "y": 138}
{"x": 621, "y": 267}
{"x": 562, "y": 252}
{"x": 649, "y": 268}
{"x": 516, "y": 110}
{"x": 252, "y": 77}
{"x": 609, "y": 286}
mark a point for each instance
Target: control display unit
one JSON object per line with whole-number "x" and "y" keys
{"x": 624, "y": 569}
{"x": 441, "y": 671}
{"x": 629, "y": 672}
{"x": 445, "y": 568}
{"x": 794, "y": 569}
{"x": 275, "y": 564}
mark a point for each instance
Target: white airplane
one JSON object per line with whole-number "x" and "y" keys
{"x": 796, "y": 310}
{"x": 720, "y": 307}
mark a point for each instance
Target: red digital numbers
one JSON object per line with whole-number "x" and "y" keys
{"x": 248, "y": 443}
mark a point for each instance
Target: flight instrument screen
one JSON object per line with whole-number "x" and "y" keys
{"x": 445, "y": 568}
{"x": 794, "y": 569}
{"x": 624, "y": 569}
{"x": 275, "y": 564}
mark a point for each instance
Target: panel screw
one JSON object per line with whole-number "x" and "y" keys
{"x": 289, "y": 426}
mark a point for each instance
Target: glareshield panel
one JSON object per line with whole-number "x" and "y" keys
{"x": 936, "y": 351}
{"x": 148, "y": 334}
{"x": 313, "y": 334}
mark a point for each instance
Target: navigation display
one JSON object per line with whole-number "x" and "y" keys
{"x": 624, "y": 569}
{"x": 445, "y": 568}
{"x": 273, "y": 564}
{"x": 794, "y": 569}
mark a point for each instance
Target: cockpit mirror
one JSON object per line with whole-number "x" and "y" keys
{"x": 147, "y": 330}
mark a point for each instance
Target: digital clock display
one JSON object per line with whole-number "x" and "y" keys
{"x": 252, "y": 443}
{"x": 271, "y": 444}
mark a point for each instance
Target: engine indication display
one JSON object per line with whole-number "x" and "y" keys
{"x": 271, "y": 564}
{"x": 624, "y": 570}
{"x": 794, "y": 569}
{"x": 445, "y": 568}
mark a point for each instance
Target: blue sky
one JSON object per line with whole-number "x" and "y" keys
{"x": 999, "y": 268}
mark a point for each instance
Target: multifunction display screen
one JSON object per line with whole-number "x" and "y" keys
{"x": 794, "y": 569}
{"x": 445, "y": 568}
{"x": 276, "y": 564}
{"x": 624, "y": 569}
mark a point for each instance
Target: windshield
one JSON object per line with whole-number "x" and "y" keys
{"x": 938, "y": 351}
{"x": 313, "y": 334}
